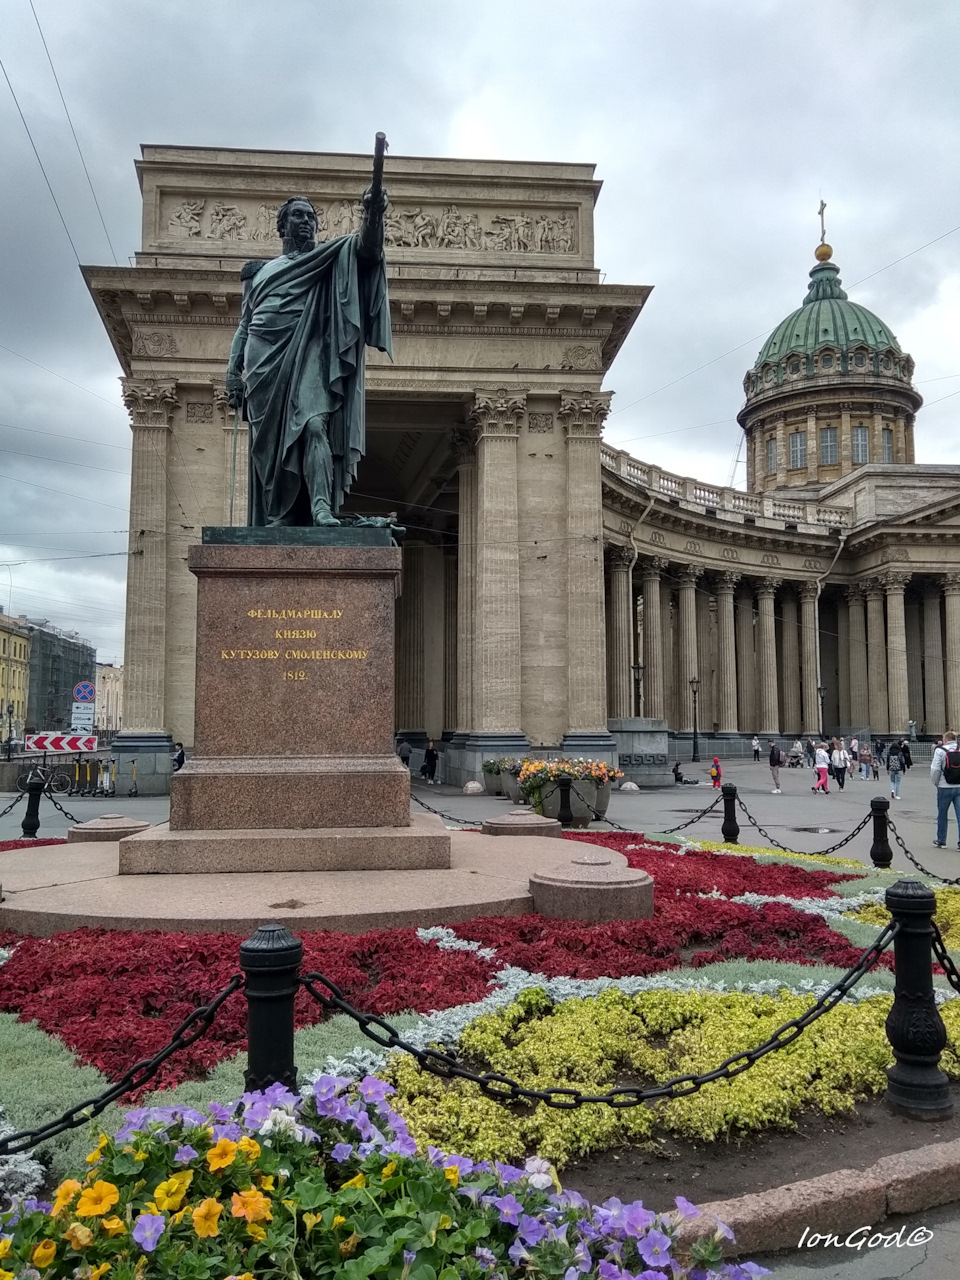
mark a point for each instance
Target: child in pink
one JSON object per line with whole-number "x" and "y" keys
{"x": 716, "y": 773}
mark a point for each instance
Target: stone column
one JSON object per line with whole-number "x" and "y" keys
{"x": 843, "y": 661}
{"x": 859, "y": 701}
{"x": 746, "y": 664}
{"x": 724, "y": 587}
{"x": 706, "y": 661}
{"x": 876, "y": 660}
{"x": 449, "y": 642}
{"x": 496, "y": 657}
{"x": 897, "y": 686}
{"x": 689, "y": 665}
{"x": 951, "y": 611}
{"x": 668, "y": 621}
{"x": 652, "y": 639}
{"x": 767, "y": 655}
{"x": 409, "y": 699}
{"x": 466, "y": 576}
{"x": 620, "y": 635}
{"x": 810, "y": 654}
{"x": 583, "y": 417}
{"x": 934, "y": 718}
{"x": 914, "y": 656}
{"x": 783, "y": 456}
{"x": 791, "y": 664}
{"x": 151, "y": 406}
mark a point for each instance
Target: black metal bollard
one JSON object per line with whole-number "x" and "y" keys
{"x": 730, "y": 828}
{"x": 31, "y": 819}
{"x": 916, "y": 1086}
{"x": 565, "y": 813}
{"x": 270, "y": 961}
{"x": 881, "y": 855}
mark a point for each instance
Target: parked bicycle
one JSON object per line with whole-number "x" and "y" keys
{"x": 54, "y": 779}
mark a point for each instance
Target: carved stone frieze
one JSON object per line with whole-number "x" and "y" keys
{"x": 426, "y": 225}
{"x": 198, "y": 411}
{"x": 154, "y": 345}
{"x": 584, "y": 415}
{"x": 150, "y": 403}
{"x": 498, "y": 413}
{"x": 581, "y": 358}
{"x": 540, "y": 423}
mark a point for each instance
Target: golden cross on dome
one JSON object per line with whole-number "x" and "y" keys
{"x": 823, "y": 230}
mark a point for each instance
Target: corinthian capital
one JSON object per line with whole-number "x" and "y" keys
{"x": 150, "y": 403}
{"x": 584, "y": 415}
{"x": 498, "y": 413}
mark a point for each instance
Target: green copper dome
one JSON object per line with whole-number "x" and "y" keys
{"x": 827, "y": 319}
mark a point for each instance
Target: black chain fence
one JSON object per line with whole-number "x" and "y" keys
{"x": 10, "y": 807}
{"x": 819, "y": 853}
{"x": 57, "y": 805}
{"x": 195, "y": 1025}
{"x": 910, "y": 858}
{"x": 945, "y": 958}
{"x": 668, "y": 831}
{"x": 503, "y": 1089}
{"x": 465, "y": 822}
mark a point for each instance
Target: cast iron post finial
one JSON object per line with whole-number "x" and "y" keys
{"x": 881, "y": 855}
{"x": 270, "y": 961}
{"x": 916, "y": 1086}
{"x": 730, "y": 828}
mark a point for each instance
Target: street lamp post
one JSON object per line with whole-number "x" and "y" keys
{"x": 821, "y": 694}
{"x": 637, "y": 687}
{"x": 695, "y": 689}
{"x": 9, "y": 730}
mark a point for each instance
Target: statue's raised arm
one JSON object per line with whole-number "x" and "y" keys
{"x": 374, "y": 206}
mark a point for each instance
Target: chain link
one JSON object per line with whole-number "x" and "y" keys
{"x": 667, "y": 831}
{"x": 58, "y": 805}
{"x": 945, "y": 958}
{"x": 195, "y": 1025}
{"x": 20, "y": 796}
{"x": 819, "y": 853}
{"x": 910, "y": 858}
{"x": 503, "y": 1089}
{"x": 467, "y": 822}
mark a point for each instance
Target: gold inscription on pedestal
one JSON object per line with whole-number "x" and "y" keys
{"x": 294, "y": 635}
{"x": 243, "y": 654}
{"x": 325, "y": 655}
{"x": 281, "y": 615}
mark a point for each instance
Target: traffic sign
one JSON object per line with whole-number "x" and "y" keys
{"x": 82, "y": 715}
{"x": 59, "y": 742}
{"x": 85, "y": 691}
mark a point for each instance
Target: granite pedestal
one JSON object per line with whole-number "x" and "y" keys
{"x": 293, "y": 762}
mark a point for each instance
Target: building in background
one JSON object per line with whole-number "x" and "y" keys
{"x": 58, "y": 661}
{"x": 14, "y": 675}
{"x": 108, "y": 715}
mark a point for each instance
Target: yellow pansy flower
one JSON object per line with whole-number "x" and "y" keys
{"x": 43, "y": 1254}
{"x": 358, "y": 1181}
{"x": 267, "y": 1182}
{"x": 205, "y": 1217}
{"x": 113, "y": 1226}
{"x": 97, "y": 1272}
{"x": 63, "y": 1195}
{"x": 222, "y": 1155}
{"x": 256, "y": 1232}
{"x": 6, "y": 1275}
{"x": 452, "y": 1174}
{"x": 310, "y": 1220}
{"x": 389, "y": 1169}
{"x": 338, "y": 1221}
{"x": 169, "y": 1194}
{"x": 4, "y": 1246}
{"x": 80, "y": 1237}
{"x": 250, "y": 1149}
{"x": 97, "y": 1200}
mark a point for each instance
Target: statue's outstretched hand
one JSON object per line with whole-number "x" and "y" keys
{"x": 367, "y": 199}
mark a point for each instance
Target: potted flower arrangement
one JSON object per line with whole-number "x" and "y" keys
{"x": 491, "y": 777}
{"x": 327, "y": 1185}
{"x": 509, "y": 775}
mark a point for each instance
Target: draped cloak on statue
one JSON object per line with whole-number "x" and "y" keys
{"x": 306, "y": 320}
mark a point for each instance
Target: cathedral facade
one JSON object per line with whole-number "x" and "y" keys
{"x": 553, "y": 587}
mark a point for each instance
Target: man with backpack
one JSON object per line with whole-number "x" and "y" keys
{"x": 895, "y": 767}
{"x": 945, "y": 776}
{"x": 775, "y": 759}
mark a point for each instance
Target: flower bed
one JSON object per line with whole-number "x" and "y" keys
{"x": 330, "y": 1185}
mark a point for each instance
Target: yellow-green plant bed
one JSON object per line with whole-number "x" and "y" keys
{"x": 947, "y": 916}
{"x": 613, "y": 1039}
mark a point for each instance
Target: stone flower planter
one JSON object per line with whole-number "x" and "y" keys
{"x": 582, "y": 810}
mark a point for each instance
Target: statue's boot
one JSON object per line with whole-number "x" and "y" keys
{"x": 323, "y": 517}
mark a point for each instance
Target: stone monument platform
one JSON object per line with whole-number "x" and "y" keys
{"x": 293, "y": 765}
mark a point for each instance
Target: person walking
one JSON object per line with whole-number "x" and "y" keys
{"x": 945, "y": 776}
{"x": 905, "y": 752}
{"x": 431, "y": 758}
{"x": 404, "y": 751}
{"x": 854, "y": 754}
{"x": 839, "y": 760}
{"x": 755, "y": 743}
{"x": 895, "y": 769}
{"x": 878, "y": 749}
{"x": 775, "y": 767}
{"x": 716, "y": 773}
{"x": 811, "y": 753}
{"x": 821, "y": 762}
{"x": 866, "y": 762}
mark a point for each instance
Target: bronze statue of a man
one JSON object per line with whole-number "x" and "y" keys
{"x": 297, "y": 362}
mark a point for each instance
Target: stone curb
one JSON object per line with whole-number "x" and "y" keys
{"x": 834, "y": 1203}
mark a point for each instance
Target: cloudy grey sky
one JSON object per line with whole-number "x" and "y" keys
{"x": 716, "y": 126}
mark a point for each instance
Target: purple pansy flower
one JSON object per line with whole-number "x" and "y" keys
{"x": 232, "y": 1132}
{"x": 485, "y": 1257}
{"x": 185, "y": 1154}
{"x": 326, "y": 1087}
{"x": 685, "y": 1208}
{"x": 462, "y": 1165}
{"x": 517, "y": 1253}
{"x": 607, "y": 1271}
{"x": 636, "y": 1219}
{"x": 508, "y": 1173}
{"x": 373, "y": 1090}
{"x": 531, "y": 1230}
{"x": 509, "y": 1208}
{"x": 723, "y": 1230}
{"x": 341, "y": 1152}
{"x": 409, "y": 1257}
{"x": 436, "y": 1156}
{"x": 654, "y": 1248}
{"x": 278, "y": 1095}
{"x": 220, "y": 1113}
{"x": 148, "y": 1229}
{"x": 581, "y": 1256}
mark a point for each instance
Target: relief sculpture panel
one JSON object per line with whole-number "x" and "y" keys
{"x": 406, "y": 226}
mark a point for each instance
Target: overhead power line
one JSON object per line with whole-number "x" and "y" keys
{"x": 79, "y": 497}
{"x": 62, "y": 378}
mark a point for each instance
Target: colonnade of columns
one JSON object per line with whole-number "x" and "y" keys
{"x": 781, "y": 657}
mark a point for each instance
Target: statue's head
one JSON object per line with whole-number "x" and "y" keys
{"x": 297, "y": 219}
